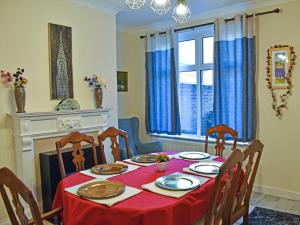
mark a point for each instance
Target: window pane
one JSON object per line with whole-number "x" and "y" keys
{"x": 207, "y": 97}
{"x": 208, "y": 50}
{"x": 207, "y": 77}
{"x": 187, "y": 52}
{"x": 188, "y": 102}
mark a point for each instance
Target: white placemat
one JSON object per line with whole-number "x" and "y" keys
{"x": 129, "y": 192}
{"x": 136, "y": 163}
{"x": 175, "y": 194}
{"x": 212, "y": 157}
{"x": 89, "y": 173}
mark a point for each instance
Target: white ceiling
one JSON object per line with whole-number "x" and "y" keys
{"x": 144, "y": 18}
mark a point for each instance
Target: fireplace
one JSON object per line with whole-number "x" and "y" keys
{"x": 36, "y": 134}
{"x": 50, "y": 173}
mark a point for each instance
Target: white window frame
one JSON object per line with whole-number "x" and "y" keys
{"x": 196, "y": 34}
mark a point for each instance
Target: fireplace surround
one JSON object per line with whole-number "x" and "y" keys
{"x": 34, "y": 131}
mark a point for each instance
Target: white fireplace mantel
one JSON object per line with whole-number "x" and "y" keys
{"x": 29, "y": 127}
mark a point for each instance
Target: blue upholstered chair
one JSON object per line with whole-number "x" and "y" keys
{"x": 131, "y": 126}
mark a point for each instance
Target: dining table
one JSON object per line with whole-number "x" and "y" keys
{"x": 144, "y": 208}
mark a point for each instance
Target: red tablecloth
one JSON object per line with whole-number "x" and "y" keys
{"x": 146, "y": 208}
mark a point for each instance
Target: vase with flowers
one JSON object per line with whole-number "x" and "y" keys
{"x": 19, "y": 82}
{"x": 162, "y": 160}
{"x": 97, "y": 83}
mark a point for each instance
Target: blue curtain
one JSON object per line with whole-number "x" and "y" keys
{"x": 235, "y": 75}
{"x": 162, "y": 106}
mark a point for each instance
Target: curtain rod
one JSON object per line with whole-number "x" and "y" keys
{"x": 211, "y": 23}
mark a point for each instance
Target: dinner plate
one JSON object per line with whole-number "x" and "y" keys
{"x": 144, "y": 158}
{"x": 194, "y": 155}
{"x": 177, "y": 182}
{"x": 107, "y": 169}
{"x": 206, "y": 167}
{"x": 101, "y": 189}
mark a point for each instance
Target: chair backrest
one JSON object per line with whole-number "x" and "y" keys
{"x": 75, "y": 138}
{"x": 226, "y": 184}
{"x": 221, "y": 131}
{"x": 113, "y": 134}
{"x": 252, "y": 155}
{"x": 131, "y": 126}
{"x": 18, "y": 189}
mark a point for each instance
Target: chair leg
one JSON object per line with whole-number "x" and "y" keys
{"x": 57, "y": 219}
{"x": 246, "y": 217}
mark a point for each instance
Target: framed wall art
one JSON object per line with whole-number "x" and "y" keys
{"x": 122, "y": 81}
{"x": 61, "y": 70}
{"x": 281, "y": 60}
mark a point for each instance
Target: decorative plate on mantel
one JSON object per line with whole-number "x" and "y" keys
{"x": 68, "y": 104}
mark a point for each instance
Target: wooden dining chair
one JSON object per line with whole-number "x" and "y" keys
{"x": 19, "y": 191}
{"x": 226, "y": 184}
{"x": 252, "y": 156}
{"x": 75, "y": 138}
{"x": 220, "y": 131}
{"x": 113, "y": 134}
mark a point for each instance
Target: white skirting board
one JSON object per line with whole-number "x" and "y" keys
{"x": 5, "y": 222}
{"x": 276, "y": 192}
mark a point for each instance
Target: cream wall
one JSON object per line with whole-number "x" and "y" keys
{"x": 130, "y": 58}
{"x": 279, "y": 170}
{"x": 280, "y": 162}
{"x": 24, "y": 42}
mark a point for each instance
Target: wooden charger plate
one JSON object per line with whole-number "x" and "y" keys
{"x": 101, "y": 189}
{"x": 107, "y": 169}
{"x": 144, "y": 158}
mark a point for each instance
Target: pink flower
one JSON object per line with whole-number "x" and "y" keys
{"x": 7, "y": 78}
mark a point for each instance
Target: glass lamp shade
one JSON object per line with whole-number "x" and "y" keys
{"x": 160, "y": 7}
{"x": 181, "y": 13}
{"x": 135, "y": 4}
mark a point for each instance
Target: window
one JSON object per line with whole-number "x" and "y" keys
{"x": 195, "y": 54}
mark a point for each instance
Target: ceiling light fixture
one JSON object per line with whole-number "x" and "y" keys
{"x": 135, "y": 4}
{"x": 161, "y": 7}
{"x": 181, "y": 12}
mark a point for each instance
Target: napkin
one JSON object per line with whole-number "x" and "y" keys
{"x": 129, "y": 192}
{"x": 175, "y": 194}
{"x": 89, "y": 173}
